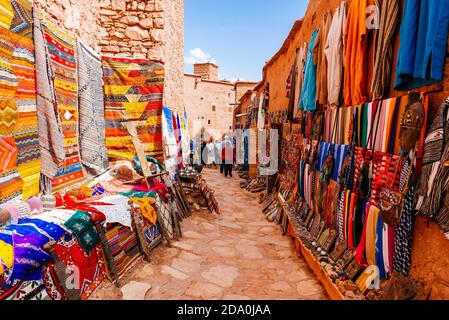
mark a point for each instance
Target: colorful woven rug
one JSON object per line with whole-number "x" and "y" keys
{"x": 90, "y": 268}
{"x": 61, "y": 49}
{"x": 91, "y": 109}
{"x": 19, "y": 145}
{"x": 124, "y": 248}
{"x": 133, "y": 92}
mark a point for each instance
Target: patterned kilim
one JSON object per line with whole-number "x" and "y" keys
{"x": 90, "y": 268}
{"x": 19, "y": 145}
{"x": 133, "y": 92}
{"x": 124, "y": 245}
{"x": 61, "y": 48}
{"x": 91, "y": 109}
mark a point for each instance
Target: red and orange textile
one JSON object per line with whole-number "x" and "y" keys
{"x": 133, "y": 91}
{"x": 61, "y": 50}
{"x": 19, "y": 145}
{"x": 88, "y": 269}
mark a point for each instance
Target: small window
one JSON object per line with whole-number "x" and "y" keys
{"x": 230, "y": 110}
{"x": 208, "y": 122}
{"x": 214, "y": 108}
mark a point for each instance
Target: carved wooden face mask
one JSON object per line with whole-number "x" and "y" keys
{"x": 412, "y": 123}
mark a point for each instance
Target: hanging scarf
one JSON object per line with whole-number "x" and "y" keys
{"x": 371, "y": 236}
{"x": 404, "y": 232}
{"x": 389, "y": 19}
{"x": 432, "y": 185}
{"x": 379, "y": 247}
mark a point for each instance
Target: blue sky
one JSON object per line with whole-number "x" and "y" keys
{"x": 238, "y": 35}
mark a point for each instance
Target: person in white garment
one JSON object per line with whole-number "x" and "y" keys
{"x": 211, "y": 159}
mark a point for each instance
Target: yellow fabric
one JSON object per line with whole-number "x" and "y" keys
{"x": 30, "y": 173}
{"x": 147, "y": 208}
{"x": 6, "y": 14}
{"x": 371, "y": 235}
{"x": 6, "y": 255}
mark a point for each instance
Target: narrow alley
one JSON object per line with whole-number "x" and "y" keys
{"x": 237, "y": 256}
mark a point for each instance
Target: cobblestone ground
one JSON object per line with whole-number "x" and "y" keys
{"x": 238, "y": 255}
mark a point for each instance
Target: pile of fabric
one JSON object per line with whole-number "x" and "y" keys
{"x": 99, "y": 230}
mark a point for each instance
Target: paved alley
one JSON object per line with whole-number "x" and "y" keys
{"x": 237, "y": 256}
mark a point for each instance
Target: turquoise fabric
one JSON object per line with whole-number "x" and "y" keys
{"x": 422, "y": 50}
{"x": 308, "y": 92}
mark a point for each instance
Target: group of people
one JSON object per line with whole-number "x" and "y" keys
{"x": 221, "y": 152}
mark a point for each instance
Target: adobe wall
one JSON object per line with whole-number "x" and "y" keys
{"x": 200, "y": 95}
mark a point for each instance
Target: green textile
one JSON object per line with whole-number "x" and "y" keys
{"x": 84, "y": 230}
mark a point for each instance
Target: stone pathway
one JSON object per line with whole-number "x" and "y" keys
{"x": 236, "y": 256}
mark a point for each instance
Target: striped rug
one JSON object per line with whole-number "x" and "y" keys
{"x": 133, "y": 92}
{"x": 61, "y": 50}
{"x": 19, "y": 144}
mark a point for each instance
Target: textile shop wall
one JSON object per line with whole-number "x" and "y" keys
{"x": 430, "y": 247}
{"x": 149, "y": 29}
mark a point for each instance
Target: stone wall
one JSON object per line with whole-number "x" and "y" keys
{"x": 76, "y": 17}
{"x": 200, "y": 95}
{"x": 173, "y": 54}
{"x": 150, "y": 29}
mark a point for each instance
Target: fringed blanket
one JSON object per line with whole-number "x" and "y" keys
{"x": 19, "y": 145}
{"x": 133, "y": 92}
{"x": 61, "y": 50}
{"x": 91, "y": 110}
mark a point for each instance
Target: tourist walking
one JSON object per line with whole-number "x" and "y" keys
{"x": 228, "y": 158}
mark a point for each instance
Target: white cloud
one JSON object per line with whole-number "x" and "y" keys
{"x": 197, "y": 55}
{"x": 236, "y": 79}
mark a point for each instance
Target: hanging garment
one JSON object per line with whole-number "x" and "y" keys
{"x": 433, "y": 187}
{"x": 291, "y": 92}
{"x": 340, "y": 217}
{"x": 334, "y": 56}
{"x": 321, "y": 68}
{"x": 300, "y": 64}
{"x": 380, "y": 247}
{"x": 422, "y": 50}
{"x": 371, "y": 236}
{"x": 308, "y": 92}
{"x": 359, "y": 253}
{"x": 404, "y": 232}
{"x": 356, "y": 58}
{"x": 261, "y": 114}
{"x": 389, "y": 20}
{"x": 91, "y": 111}
{"x": 341, "y": 151}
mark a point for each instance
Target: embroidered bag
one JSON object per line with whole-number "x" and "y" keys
{"x": 391, "y": 202}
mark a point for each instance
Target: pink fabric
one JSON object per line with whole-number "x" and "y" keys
{"x": 14, "y": 211}
{"x": 360, "y": 251}
{"x": 36, "y": 205}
